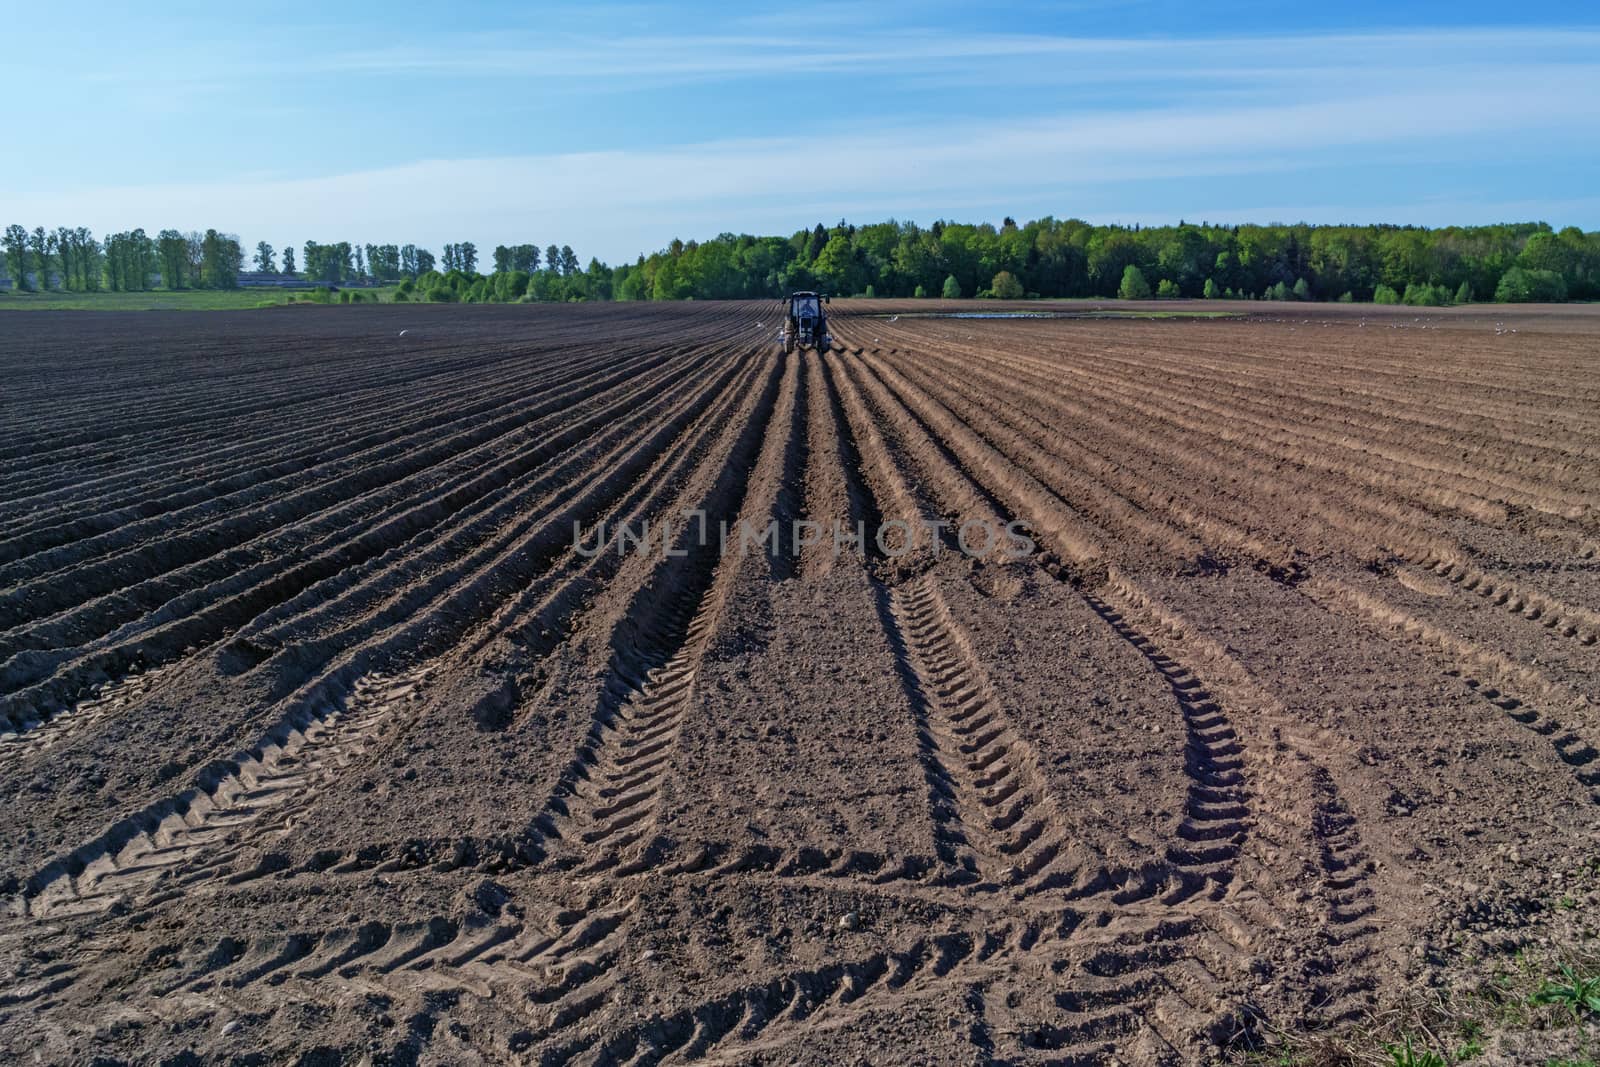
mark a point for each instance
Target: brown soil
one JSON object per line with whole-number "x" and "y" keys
{"x": 320, "y": 743}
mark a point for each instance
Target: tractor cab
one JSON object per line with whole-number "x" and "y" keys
{"x": 806, "y": 324}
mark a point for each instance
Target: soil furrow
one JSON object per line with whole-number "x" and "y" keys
{"x": 601, "y": 815}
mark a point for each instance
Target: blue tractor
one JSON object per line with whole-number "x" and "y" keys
{"x": 806, "y": 324}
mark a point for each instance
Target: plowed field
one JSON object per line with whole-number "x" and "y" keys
{"x": 400, "y": 685}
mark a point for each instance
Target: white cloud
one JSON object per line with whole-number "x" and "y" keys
{"x": 1422, "y": 211}
{"x": 618, "y": 203}
{"x": 791, "y": 44}
{"x": 908, "y": 51}
{"x": 1246, "y": 106}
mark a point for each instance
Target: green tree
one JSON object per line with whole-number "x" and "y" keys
{"x": 1464, "y": 293}
{"x": 39, "y": 245}
{"x": 129, "y": 260}
{"x": 631, "y": 282}
{"x": 79, "y": 255}
{"x": 288, "y": 259}
{"x": 17, "y": 259}
{"x": 61, "y": 244}
{"x": 952, "y": 288}
{"x": 1520, "y": 286}
{"x": 1548, "y": 251}
{"x": 193, "y": 257}
{"x": 264, "y": 257}
{"x": 384, "y": 262}
{"x": 921, "y": 293}
{"x": 1183, "y": 257}
{"x": 836, "y": 268}
{"x": 1211, "y": 291}
{"x": 329, "y": 264}
{"x": 508, "y": 286}
{"x": 1429, "y": 296}
{"x": 1049, "y": 257}
{"x": 1111, "y": 253}
{"x": 598, "y": 280}
{"x": 1385, "y": 295}
{"x": 89, "y": 260}
{"x": 1167, "y": 289}
{"x": 1134, "y": 286}
{"x": 1006, "y": 287}
{"x": 173, "y": 248}
{"x": 70, "y": 255}
{"x": 115, "y": 266}
{"x": 220, "y": 258}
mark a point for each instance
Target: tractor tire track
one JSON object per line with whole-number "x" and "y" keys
{"x": 1217, "y": 811}
{"x": 418, "y": 633}
{"x": 995, "y": 820}
{"x": 367, "y": 565}
{"x": 198, "y": 833}
{"x": 1490, "y": 676}
{"x": 602, "y": 812}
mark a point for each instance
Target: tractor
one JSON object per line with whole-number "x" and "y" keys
{"x": 805, "y": 325}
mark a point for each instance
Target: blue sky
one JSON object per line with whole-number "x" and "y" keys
{"x": 616, "y": 127}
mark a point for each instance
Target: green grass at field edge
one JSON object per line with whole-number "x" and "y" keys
{"x": 169, "y": 300}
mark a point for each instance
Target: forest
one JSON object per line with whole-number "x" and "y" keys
{"x": 1051, "y": 258}
{"x": 1046, "y": 258}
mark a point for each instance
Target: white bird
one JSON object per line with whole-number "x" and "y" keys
{"x": 402, "y": 333}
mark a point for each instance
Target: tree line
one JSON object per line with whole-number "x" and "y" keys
{"x": 1072, "y": 258}
{"x": 74, "y": 260}
{"x": 1043, "y": 258}
{"x": 1052, "y": 258}
{"x": 521, "y": 274}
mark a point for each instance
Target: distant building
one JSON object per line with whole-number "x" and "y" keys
{"x": 270, "y": 279}
{"x": 32, "y": 278}
{"x": 267, "y": 279}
